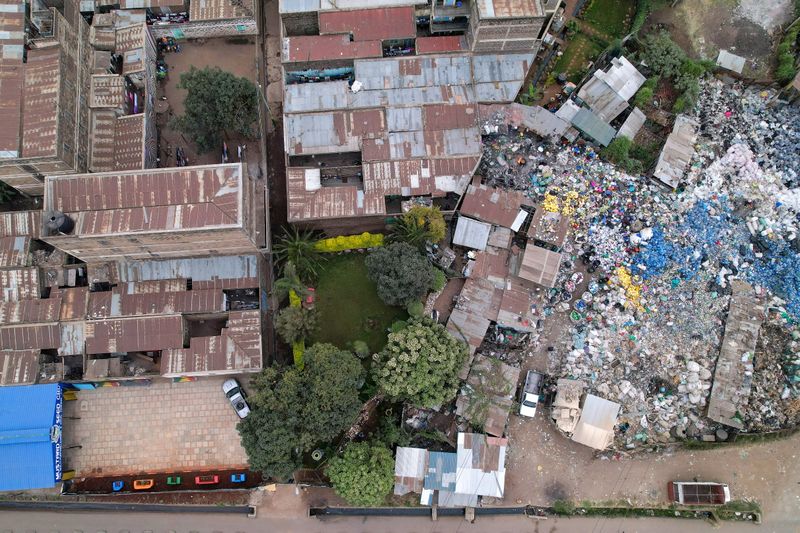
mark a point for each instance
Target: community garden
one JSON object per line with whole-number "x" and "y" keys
{"x": 353, "y": 314}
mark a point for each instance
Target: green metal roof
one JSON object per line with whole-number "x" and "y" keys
{"x": 590, "y": 125}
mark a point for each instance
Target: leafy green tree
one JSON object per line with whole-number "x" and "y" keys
{"x": 364, "y": 474}
{"x": 419, "y": 225}
{"x": 295, "y": 323}
{"x": 420, "y": 364}
{"x": 216, "y": 103}
{"x": 293, "y": 410}
{"x": 298, "y": 247}
{"x": 400, "y": 273}
{"x": 361, "y": 349}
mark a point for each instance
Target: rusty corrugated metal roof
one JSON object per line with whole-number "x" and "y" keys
{"x": 12, "y": 26}
{"x": 19, "y": 284}
{"x": 148, "y": 200}
{"x": 20, "y": 223}
{"x": 498, "y": 206}
{"x": 371, "y": 24}
{"x": 219, "y": 10}
{"x": 237, "y": 349}
{"x": 19, "y": 367}
{"x": 73, "y": 302}
{"x": 117, "y": 303}
{"x": 130, "y": 38}
{"x": 129, "y": 142}
{"x": 540, "y": 266}
{"x": 30, "y": 337}
{"x": 14, "y": 251}
{"x": 30, "y": 311}
{"x": 134, "y": 334}
{"x": 40, "y": 103}
{"x": 306, "y": 48}
{"x": 102, "y": 125}
{"x": 107, "y": 90}
{"x": 438, "y": 44}
{"x": 158, "y": 285}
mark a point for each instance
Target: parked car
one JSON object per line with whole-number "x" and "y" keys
{"x": 236, "y": 396}
{"x": 531, "y": 392}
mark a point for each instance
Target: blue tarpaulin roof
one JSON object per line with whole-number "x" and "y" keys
{"x": 30, "y": 437}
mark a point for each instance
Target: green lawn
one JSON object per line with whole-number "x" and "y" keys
{"x": 580, "y": 50}
{"x": 349, "y": 307}
{"x": 608, "y": 16}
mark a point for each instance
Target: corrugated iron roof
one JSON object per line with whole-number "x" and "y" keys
{"x": 130, "y": 38}
{"x": 12, "y": 36}
{"x": 14, "y": 251}
{"x": 471, "y": 233}
{"x": 148, "y": 200}
{"x": 509, "y": 8}
{"x": 607, "y": 92}
{"x": 596, "y": 425}
{"x": 592, "y": 126}
{"x": 73, "y": 302}
{"x": 494, "y": 205}
{"x": 20, "y": 223}
{"x": 308, "y": 48}
{"x": 198, "y": 269}
{"x": 117, "y": 303}
{"x": 30, "y": 311}
{"x": 540, "y": 266}
{"x": 220, "y": 10}
{"x": 677, "y": 152}
{"x": 237, "y": 349}
{"x": 409, "y": 469}
{"x": 549, "y": 227}
{"x": 633, "y": 123}
{"x": 19, "y": 284}
{"x": 102, "y": 126}
{"x": 481, "y": 465}
{"x": 107, "y": 90}
{"x": 439, "y": 44}
{"x": 19, "y": 367}
{"x": 129, "y": 142}
{"x": 371, "y": 24}
{"x": 30, "y": 337}
{"x": 134, "y": 334}
{"x": 40, "y": 102}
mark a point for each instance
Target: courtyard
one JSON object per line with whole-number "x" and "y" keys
{"x": 165, "y": 426}
{"x": 349, "y": 307}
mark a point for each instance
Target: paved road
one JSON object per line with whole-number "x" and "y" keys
{"x": 29, "y": 522}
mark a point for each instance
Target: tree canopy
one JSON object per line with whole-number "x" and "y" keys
{"x": 400, "y": 273}
{"x": 364, "y": 474}
{"x": 420, "y": 363}
{"x": 419, "y": 225}
{"x": 295, "y": 409}
{"x": 295, "y": 323}
{"x": 216, "y": 103}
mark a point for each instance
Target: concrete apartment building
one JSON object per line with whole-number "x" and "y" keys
{"x": 381, "y": 110}
{"x": 154, "y": 214}
{"x": 82, "y": 95}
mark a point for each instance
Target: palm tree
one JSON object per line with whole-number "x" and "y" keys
{"x": 298, "y": 247}
{"x": 290, "y": 281}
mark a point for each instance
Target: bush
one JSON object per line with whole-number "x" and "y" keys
{"x": 785, "y": 71}
{"x": 349, "y": 242}
{"x": 295, "y": 323}
{"x": 400, "y": 273}
{"x": 642, "y": 10}
{"x": 617, "y": 151}
{"x": 644, "y": 97}
{"x": 419, "y": 225}
{"x": 563, "y": 507}
{"x": 415, "y": 309}
{"x": 361, "y": 349}
{"x": 364, "y": 474}
{"x": 439, "y": 280}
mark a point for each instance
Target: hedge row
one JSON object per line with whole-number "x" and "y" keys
{"x": 349, "y": 242}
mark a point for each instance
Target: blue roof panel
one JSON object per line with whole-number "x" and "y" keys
{"x": 29, "y": 457}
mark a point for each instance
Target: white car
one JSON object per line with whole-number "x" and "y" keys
{"x": 236, "y": 396}
{"x": 530, "y": 393}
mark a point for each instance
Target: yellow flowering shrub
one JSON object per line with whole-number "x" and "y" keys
{"x": 349, "y": 242}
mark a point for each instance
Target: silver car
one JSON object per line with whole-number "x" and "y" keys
{"x": 236, "y": 396}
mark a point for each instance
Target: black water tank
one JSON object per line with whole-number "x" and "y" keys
{"x": 60, "y": 223}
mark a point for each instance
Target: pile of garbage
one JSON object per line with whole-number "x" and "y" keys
{"x": 644, "y": 287}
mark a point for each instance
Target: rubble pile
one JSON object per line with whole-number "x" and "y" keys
{"x": 644, "y": 287}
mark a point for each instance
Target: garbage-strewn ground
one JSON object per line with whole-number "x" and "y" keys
{"x": 639, "y": 310}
